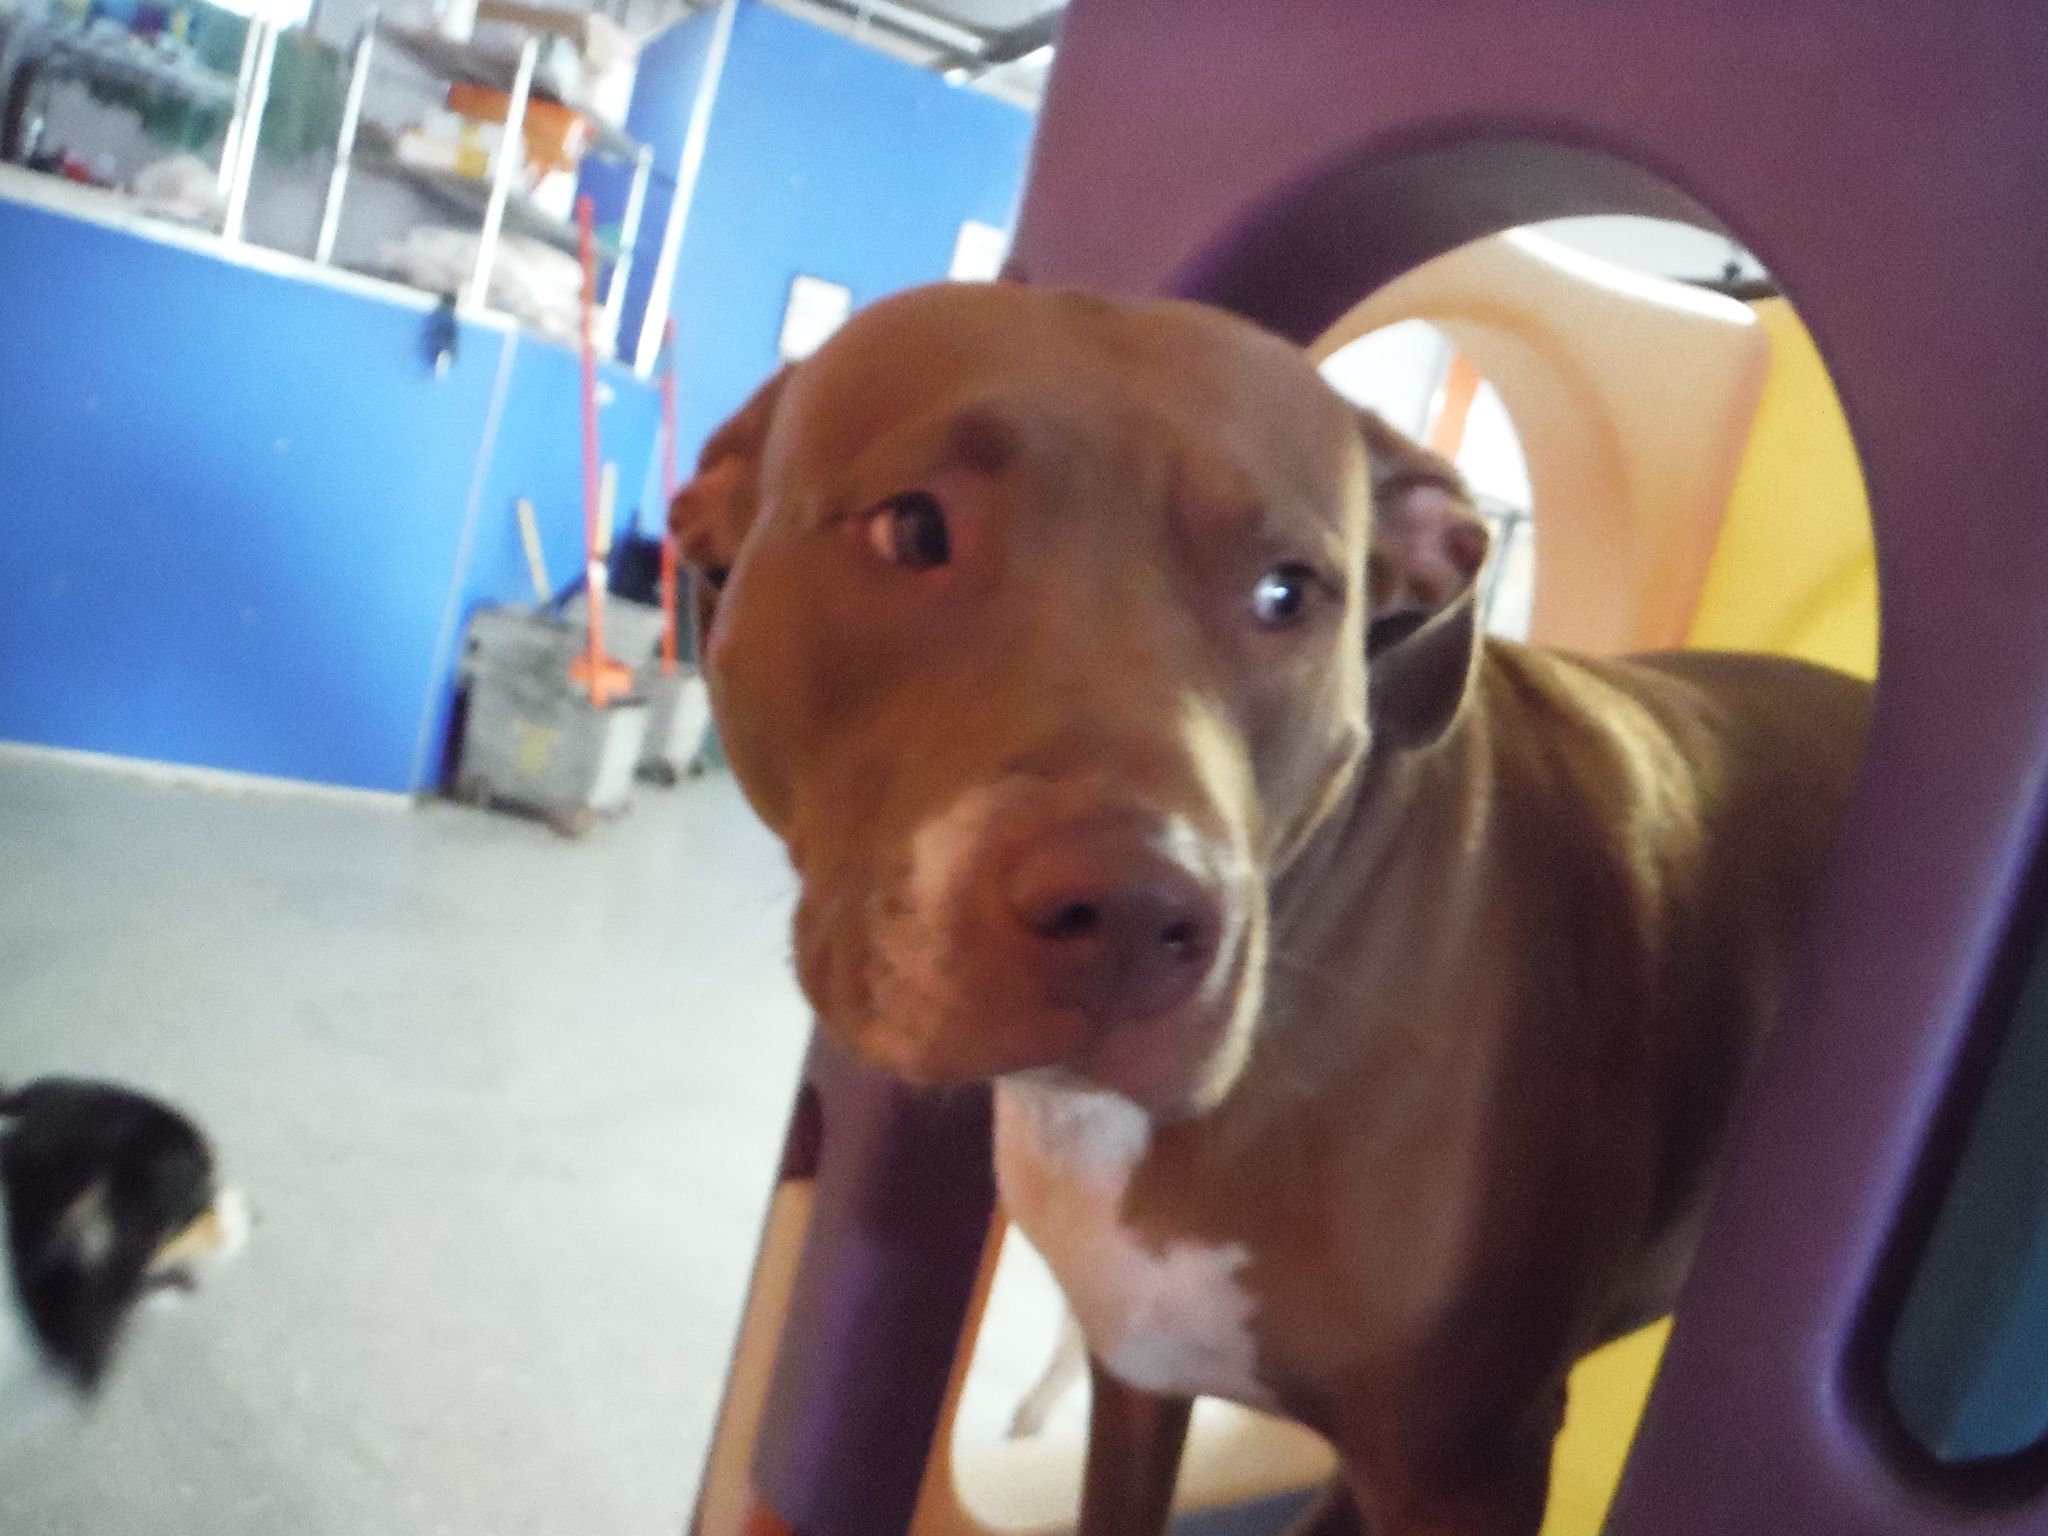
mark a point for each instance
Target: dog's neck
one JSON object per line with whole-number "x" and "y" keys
{"x": 1368, "y": 822}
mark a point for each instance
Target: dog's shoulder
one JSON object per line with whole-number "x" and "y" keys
{"x": 1750, "y": 675}
{"x": 1687, "y": 693}
{"x": 1705, "y": 738}
{"x": 1754, "y": 714}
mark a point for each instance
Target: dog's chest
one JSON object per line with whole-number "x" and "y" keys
{"x": 1172, "y": 1317}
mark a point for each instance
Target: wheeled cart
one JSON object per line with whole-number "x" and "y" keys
{"x": 531, "y": 737}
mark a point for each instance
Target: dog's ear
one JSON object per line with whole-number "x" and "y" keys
{"x": 1428, "y": 539}
{"x": 712, "y": 512}
{"x": 1420, "y": 671}
{"x": 1428, "y": 544}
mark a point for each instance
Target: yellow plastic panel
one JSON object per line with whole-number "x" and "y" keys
{"x": 1608, "y": 1391}
{"x": 1795, "y": 572}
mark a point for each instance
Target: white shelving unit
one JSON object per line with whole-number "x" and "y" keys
{"x": 37, "y": 53}
{"x": 371, "y": 148}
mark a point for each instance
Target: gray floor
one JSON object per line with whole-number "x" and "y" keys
{"x": 507, "y": 1108}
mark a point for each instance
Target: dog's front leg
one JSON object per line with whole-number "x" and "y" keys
{"x": 1134, "y": 1445}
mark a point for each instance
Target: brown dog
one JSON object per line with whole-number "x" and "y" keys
{"x": 1363, "y": 1033}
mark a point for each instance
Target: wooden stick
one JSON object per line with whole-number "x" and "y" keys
{"x": 536, "y": 561}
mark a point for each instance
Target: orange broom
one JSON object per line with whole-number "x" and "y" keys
{"x": 604, "y": 677}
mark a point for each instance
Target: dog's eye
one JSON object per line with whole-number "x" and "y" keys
{"x": 1281, "y": 597}
{"x": 910, "y": 530}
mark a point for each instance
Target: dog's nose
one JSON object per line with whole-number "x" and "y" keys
{"x": 1112, "y": 925}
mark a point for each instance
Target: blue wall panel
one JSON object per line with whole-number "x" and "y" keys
{"x": 539, "y": 456}
{"x": 828, "y": 159}
{"x": 232, "y": 504}
{"x": 224, "y": 539}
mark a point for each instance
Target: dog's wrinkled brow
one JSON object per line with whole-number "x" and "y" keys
{"x": 984, "y": 440}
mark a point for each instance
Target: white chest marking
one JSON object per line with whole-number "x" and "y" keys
{"x": 1173, "y": 1319}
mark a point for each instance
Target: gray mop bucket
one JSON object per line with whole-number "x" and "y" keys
{"x": 678, "y": 704}
{"x": 678, "y": 715}
{"x": 531, "y": 737}
{"x": 632, "y": 631}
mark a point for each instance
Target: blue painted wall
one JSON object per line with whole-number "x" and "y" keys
{"x": 234, "y": 505}
{"x": 824, "y": 158}
{"x": 659, "y": 116}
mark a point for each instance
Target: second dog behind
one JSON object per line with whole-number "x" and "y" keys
{"x": 110, "y": 1196}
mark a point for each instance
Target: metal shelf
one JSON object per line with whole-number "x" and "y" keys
{"x": 376, "y": 152}
{"x": 497, "y": 205}
{"x": 109, "y": 55}
{"x": 33, "y": 53}
{"x": 497, "y": 71}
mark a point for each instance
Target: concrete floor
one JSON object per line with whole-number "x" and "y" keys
{"x": 507, "y": 1107}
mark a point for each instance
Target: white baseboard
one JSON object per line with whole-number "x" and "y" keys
{"x": 220, "y": 781}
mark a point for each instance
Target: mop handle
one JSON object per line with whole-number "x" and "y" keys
{"x": 593, "y": 563}
{"x": 668, "y": 496}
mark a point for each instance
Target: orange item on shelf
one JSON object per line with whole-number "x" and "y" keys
{"x": 556, "y": 136}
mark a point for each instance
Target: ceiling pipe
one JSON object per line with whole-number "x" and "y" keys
{"x": 1008, "y": 45}
{"x": 948, "y": 37}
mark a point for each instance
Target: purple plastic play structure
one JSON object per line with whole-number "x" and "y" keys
{"x": 1888, "y": 161}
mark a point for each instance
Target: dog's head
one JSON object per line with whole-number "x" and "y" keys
{"x": 110, "y": 1195}
{"x": 1041, "y": 640}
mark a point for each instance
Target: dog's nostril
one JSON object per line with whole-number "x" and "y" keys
{"x": 1075, "y": 920}
{"x": 1108, "y": 924}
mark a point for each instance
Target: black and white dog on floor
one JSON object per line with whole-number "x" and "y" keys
{"x": 110, "y": 1197}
